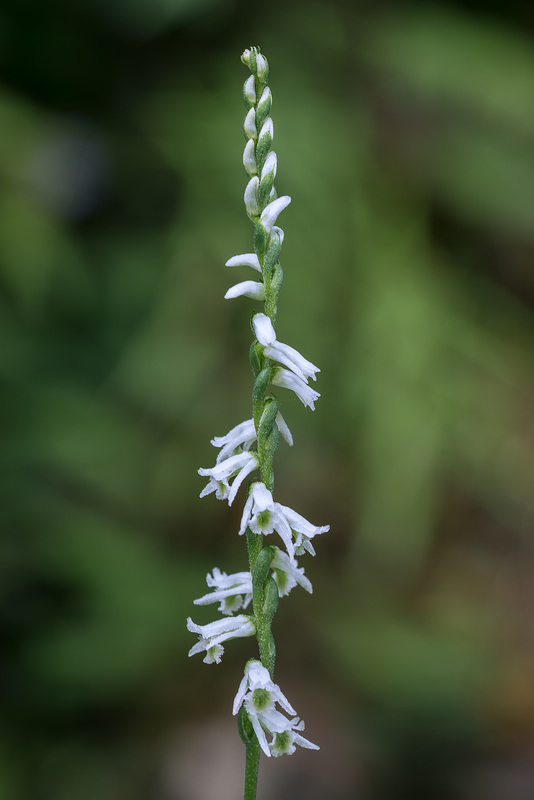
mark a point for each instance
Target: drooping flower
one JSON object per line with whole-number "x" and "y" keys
{"x": 232, "y": 591}
{"x": 284, "y": 741}
{"x": 287, "y": 574}
{"x": 288, "y": 380}
{"x": 259, "y": 694}
{"x": 283, "y": 353}
{"x": 214, "y": 633}
{"x": 263, "y": 516}
{"x": 243, "y": 436}
{"x": 239, "y": 466}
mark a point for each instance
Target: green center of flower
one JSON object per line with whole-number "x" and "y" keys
{"x": 282, "y": 742}
{"x": 232, "y": 603}
{"x": 282, "y": 579}
{"x": 261, "y": 699}
{"x": 264, "y": 519}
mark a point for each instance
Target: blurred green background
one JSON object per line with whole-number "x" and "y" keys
{"x": 405, "y": 136}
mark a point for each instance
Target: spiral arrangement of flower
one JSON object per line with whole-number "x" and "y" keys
{"x": 249, "y": 447}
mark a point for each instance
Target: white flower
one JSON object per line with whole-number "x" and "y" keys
{"x": 288, "y": 380}
{"x": 284, "y": 741}
{"x": 259, "y": 694}
{"x": 283, "y": 353}
{"x": 287, "y": 574}
{"x": 252, "y": 289}
{"x": 249, "y": 158}
{"x": 257, "y": 677}
{"x": 270, "y": 213}
{"x": 232, "y": 591}
{"x": 251, "y": 197}
{"x": 244, "y": 260}
{"x": 239, "y": 465}
{"x": 304, "y": 530}
{"x": 243, "y": 435}
{"x": 263, "y": 516}
{"x": 212, "y": 634}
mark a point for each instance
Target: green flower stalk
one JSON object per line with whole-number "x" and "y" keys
{"x": 250, "y": 447}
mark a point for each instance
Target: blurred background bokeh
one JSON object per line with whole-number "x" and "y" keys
{"x": 405, "y": 136}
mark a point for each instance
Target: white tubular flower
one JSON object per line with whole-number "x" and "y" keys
{"x": 263, "y": 516}
{"x": 271, "y": 165}
{"x": 232, "y": 591}
{"x": 304, "y": 530}
{"x": 249, "y": 158}
{"x": 212, "y": 634}
{"x": 242, "y": 436}
{"x": 249, "y": 90}
{"x": 239, "y": 465}
{"x": 270, "y": 213}
{"x": 251, "y": 197}
{"x": 283, "y": 353}
{"x": 288, "y": 380}
{"x": 284, "y": 741}
{"x": 252, "y": 289}
{"x": 287, "y": 574}
{"x": 245, "y": 260}
{"x": 249, "y": 124}
{"x": 260, "y": 694}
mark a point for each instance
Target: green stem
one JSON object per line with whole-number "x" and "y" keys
{"x": 252, "y": 763}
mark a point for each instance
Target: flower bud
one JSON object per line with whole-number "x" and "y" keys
{"x": 249, "y": 91}
{"x": 264, "y": 106}
{"x": 251, "y": 197}
{"x": 262, "y": 68}
{"x": 250, "y": 124}
{"x": 249, "y": 158}
{"x": 271, "y": 163}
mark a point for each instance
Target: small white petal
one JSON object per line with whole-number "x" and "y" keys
{"x": 284, "y": 430}
{"x": 244, "y": 260}
{"x": 249, "y": 124}
{"x": 270, "y": 213}
{"x": 263, "y": 327}
{"x": 252, "y": 289}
